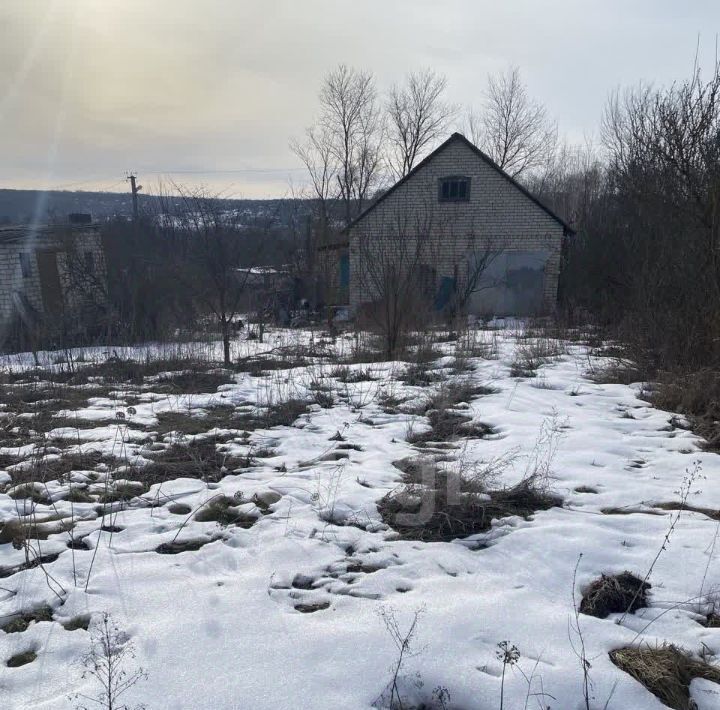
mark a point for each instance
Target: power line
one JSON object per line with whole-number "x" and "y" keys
{"x": 220, "y": 172}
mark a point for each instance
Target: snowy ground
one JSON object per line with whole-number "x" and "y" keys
{"x": 285, "y": 611}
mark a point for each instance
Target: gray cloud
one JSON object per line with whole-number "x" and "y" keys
{"x": 212, "y": 88}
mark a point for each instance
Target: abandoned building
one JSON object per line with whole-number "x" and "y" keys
{"x": 458, "y": 230}
{"x": 52, "y": 279}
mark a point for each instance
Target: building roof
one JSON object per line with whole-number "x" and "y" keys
{"x": 454, "y": 138}
{"x": 22, "y": 232}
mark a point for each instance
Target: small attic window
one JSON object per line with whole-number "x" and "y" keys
{"x": 454, "y": 188}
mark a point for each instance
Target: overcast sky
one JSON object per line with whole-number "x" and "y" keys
{"x": 211, "y": 91}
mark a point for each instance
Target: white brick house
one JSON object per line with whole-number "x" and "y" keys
{"x": 51, "y": 277}
{"x": 464, "y": 224}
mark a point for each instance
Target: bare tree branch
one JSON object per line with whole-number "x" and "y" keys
{"x": 514, "y": 129}
{"x": 417, "y": 117}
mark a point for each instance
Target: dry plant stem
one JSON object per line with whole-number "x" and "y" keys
{"x": 690, "y": 476}
{"x": 581, "y": 653}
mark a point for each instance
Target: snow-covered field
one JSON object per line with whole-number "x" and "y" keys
{"x": 287, "y": 609}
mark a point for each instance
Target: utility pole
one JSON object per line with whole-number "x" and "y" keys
{"x": 135, "y": 190}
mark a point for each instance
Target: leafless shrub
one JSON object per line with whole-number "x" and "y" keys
{"x": 393, "y": 698}
{"x": 110, "y": 664}
{"x": 697, "y": 397}
{"x": 531, "y": 354}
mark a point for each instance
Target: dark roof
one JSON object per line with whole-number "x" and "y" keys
{"x": 453, "y": 138}
{"x": 18, "y": 233}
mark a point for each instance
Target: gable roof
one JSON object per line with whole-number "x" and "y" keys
{"x": 459, "y": 137}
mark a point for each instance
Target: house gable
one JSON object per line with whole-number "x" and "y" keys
{"x": 486, "y": 209}
{"x": 458, "y": 148}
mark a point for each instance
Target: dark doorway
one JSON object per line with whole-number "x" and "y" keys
{"x": 50, "y": 287}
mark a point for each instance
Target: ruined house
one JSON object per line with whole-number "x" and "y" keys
{"x": 464, "y": 232}
{"x": 52, "y": 279}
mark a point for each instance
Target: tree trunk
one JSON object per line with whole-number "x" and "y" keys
{"x": 225, "y": 326}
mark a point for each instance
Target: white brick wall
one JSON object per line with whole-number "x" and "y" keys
{"x": 12, "y": 281}
{"x": 498, "y": 216}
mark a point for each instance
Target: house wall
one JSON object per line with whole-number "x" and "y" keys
{"x": 333, "y": 272}
{"x": 497, "y": 218}
{"x": 77, "y": 290}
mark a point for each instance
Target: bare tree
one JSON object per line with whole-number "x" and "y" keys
{"x": 210, "y": 251}
{"x": 342, "y": 151}
{"x": 417, "y": 117}
{"x": 514, "y": 129}
{"x": 394, "y": 274}
{"x": 318, "y": 157}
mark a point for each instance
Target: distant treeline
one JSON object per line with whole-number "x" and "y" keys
{"x": 26, "y": 206}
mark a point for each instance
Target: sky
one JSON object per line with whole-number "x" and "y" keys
{"x": 211, "y": 92}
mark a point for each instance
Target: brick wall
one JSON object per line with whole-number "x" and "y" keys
{"x": 13, "y": 282}
{"x": 498, "y": 217}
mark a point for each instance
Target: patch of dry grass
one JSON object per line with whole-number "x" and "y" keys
{"x": 614, "y": 594}
{"x": 532, "y": 353}
{"x": 446, "y": 425}
{"x": 666, "y": 671}
{"x": 438, "y": 505}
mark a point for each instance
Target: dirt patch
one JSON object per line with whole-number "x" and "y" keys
{"x": 450, "y": 394}
{"x": 179, "y": 509}
{"x": 219, "y": 417}
{"x": 311, "y": 608}
{"x": 666, "y": 671}
{"x": 348, "y": 375}
{"x": 446, "y": 506}
{"x": 222, "y": 510}
{"x": 421, "y": 375}
{"x": 175, "y": 547}
{"x": 77, "y": 494}
{"x": 55, "y": 467}
{"x": 227, "y": 417}
{"x": 712, "y": 621}
{"x": 77, "y": 622}
{"x": 614, "y": 594}
{"x": 121, "y": 491}
{"x": 17, "y": 531}
{"x": 198, "y": 459}
{"x": 192, "y": 382}
{"x": 585, "y": 489}
{"x": 35, "y": 492}
{"x": 23, "y": 620}
{"x": 7, "y": 460}
{"x": 36, "y": 562}
{"x": 617, "y": 372}
{"x": 446, "y": 425}
{"x": 45, "y": 398}
{"x": 697, "y": 397}
{"x": 176, "y": 372}
{"x": 674, "y": 505}
{"x": 21, "y": 659}
{"x": 629, "y": 511}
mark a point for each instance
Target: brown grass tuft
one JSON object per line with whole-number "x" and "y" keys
{"x": 666, "y": 671}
